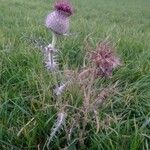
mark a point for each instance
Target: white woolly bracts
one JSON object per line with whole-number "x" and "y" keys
{"x": 59, "y": 90}
{"x": 50, "y": 56}
{"x": 61, "y": 117}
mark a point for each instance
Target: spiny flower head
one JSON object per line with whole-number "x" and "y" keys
{"x": 59, "y": 20}
{"x": 105, "y": 59}
{"x": 64, "y": 6}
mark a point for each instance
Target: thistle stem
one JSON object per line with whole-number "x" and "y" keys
{"x": 51, "y": 50}
{"x": 54, "y": 39}
{"x": 51, "y": 57}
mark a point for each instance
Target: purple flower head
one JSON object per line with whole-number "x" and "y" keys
{"x": 58, "y": 20}
{"x": 64, "y": 7}
{"x": 105, "y": 59}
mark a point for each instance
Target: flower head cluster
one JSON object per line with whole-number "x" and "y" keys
{"x": 105, "y": 59}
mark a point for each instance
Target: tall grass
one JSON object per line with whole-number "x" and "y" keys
{"x": 26, "y": 114}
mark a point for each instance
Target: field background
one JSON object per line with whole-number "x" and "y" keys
{"x": 25, "y": 85}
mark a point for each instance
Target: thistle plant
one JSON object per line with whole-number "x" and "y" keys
{"x": 58, "y": 22}
{"x": 100, "y": 64}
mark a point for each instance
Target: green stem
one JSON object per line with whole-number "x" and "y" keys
{"x": 54, "y": 39}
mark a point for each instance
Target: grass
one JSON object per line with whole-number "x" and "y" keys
{"x": 26, "y": 87}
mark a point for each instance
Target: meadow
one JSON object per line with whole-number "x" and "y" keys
{"x": 26, "y": 115}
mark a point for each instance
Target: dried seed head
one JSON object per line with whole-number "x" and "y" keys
{"x": 105, "y": 59}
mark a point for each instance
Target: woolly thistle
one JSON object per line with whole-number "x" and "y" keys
{"x": 58, "y": 20}
{"x": 101, "y": 63}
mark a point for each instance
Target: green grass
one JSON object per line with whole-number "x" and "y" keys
{"x": 26, "y": 87}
